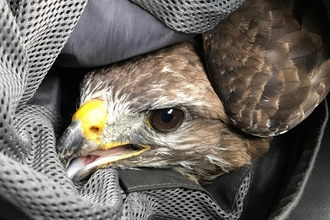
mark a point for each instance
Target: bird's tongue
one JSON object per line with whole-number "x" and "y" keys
{"x": 82, "y": 166}
{"x": 98, "y": 154}
{"x": 88, "y": 159}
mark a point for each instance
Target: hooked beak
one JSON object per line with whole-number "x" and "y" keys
{"x": 80, "y": 149}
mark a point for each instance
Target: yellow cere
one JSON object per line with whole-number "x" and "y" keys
{"x": 93, "y": 116}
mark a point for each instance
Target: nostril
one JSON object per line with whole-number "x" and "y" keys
{"x": 95, "y": 129}
{"x": 93, "y": 117}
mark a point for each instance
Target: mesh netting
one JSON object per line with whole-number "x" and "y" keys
{"x": 182, "y": 203}
{"x": 190, "y": 16}
{"x": 31, "y": 176}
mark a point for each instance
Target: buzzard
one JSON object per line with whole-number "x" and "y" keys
{"x": 265, "y": 72}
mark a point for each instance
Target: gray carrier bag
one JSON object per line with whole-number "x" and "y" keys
{"x": 40, "y": 71}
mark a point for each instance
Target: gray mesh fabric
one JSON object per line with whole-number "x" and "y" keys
{"x": 32, "y": 34}
{"x": 190, "y": 16}
{"x": 31, "y": 176}
{"x": 182, "y": 203}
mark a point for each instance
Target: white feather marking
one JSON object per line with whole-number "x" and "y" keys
{"x": 166, "y": 69}
{"x": 162, "y": 153}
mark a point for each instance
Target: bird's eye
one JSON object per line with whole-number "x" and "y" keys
{"x": 166, "y": 120}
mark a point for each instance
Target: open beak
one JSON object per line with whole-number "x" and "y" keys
{"x": 80, "y": 149}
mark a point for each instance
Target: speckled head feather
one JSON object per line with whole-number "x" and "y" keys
{"x": 173, "y": 76}
{"x": 202, "y": 147}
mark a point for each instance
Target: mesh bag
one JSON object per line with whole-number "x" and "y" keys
{"x": 184, "y": 204}
{"x": 32, "y": 178}
{"x": 192, "y": 16}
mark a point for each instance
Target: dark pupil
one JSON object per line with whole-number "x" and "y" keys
{"x": 166, "y": 120}
{"x": 167, "y": 116}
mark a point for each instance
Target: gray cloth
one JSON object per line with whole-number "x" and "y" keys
{"x": 110, "y": 31}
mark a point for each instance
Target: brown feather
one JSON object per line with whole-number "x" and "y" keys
{"x": 269, "y": 70}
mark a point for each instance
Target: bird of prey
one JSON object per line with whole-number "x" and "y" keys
{"x": 163, "y": 109}
{"x": 157, "y": 110}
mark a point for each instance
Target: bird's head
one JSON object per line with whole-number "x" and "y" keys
{"x": 157, "y": 110}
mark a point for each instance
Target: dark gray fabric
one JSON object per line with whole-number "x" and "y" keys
{"x": 49, "y": 92}
{"x": 306, "y": 144}
{"x": 224, "y": 188}
{"x": 133, "y": 180}
{"x": 110, "y": 31}
{"x": 173, "y": 195}
{"x": 315, "y": 200}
